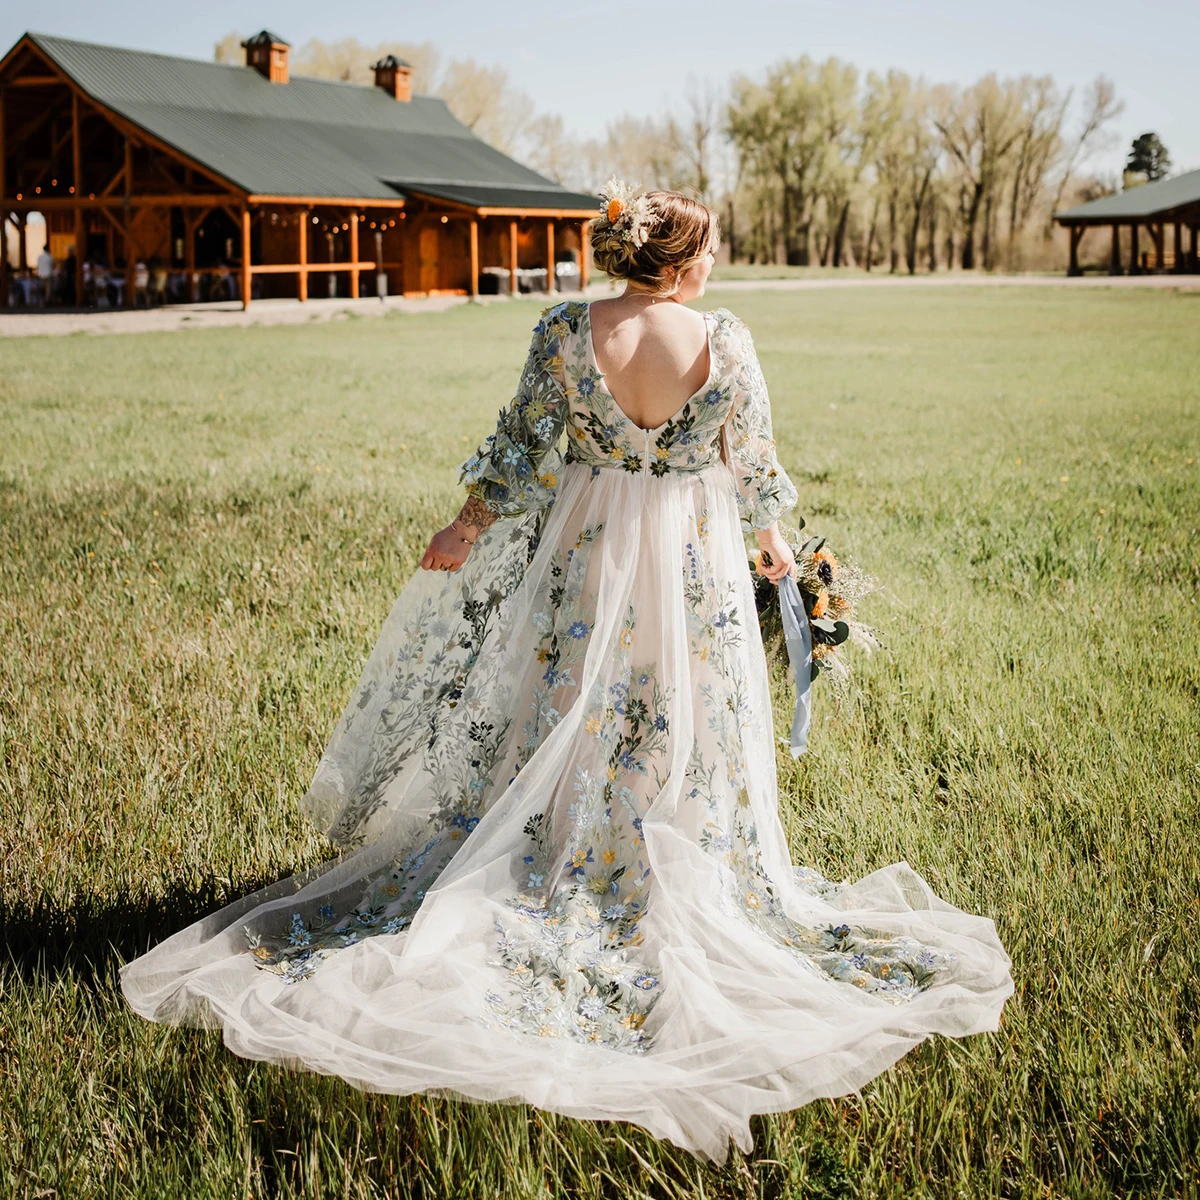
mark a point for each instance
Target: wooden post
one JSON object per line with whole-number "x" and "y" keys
{"x": 77, "y": 182}
{"x": 1158, "y": 246}
{"x": 549, "y": 257}
{"x": 302, "y": 277}
{"x": 127, "y": 225}
{"x": 245, "y": 257}
{"x": 189, "y": 256}
{"x": 1135, "y": 267}
{"x": 1076, "y": 234}
{"x": 512, "y": 259}
{"x": 1114, "y": 261}
{"x": 584, "y": 241}
{"x": 354, "y": 256}
{"x": 1177, "y": 265}
{"x": 474, "y": 259}
{"x": 22, "y": 243}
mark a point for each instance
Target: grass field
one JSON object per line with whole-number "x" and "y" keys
{"x": 201, "y": 533}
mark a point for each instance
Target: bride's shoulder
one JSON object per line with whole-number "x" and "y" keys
{"x": 729, "y": 323}
{"x": 569, "y": 312}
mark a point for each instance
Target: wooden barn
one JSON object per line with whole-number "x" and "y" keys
{"x": 164, "y": 178}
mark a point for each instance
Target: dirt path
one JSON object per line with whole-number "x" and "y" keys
{"x": 288, "y": 312}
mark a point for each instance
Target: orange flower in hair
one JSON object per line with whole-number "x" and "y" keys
{"x": 616, "y": 206}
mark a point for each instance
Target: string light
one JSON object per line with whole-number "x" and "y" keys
{"x": 445, "y": 219}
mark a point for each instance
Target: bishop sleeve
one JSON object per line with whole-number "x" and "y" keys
{"x": 764, "y": 491}
{"x": 517, "y": 467}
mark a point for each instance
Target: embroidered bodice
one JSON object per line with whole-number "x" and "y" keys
{"x": 562, "y": 394}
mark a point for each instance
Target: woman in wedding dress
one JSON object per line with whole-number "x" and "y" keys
{"x": 562, "y": 877}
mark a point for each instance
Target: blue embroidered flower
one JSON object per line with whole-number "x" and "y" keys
{"x": 646, "y": 982}
{"x": 578, "y": 629}
{"x": 591, "y": 1007}
{"x": 614, "y": 912}
{"x": 326, "y": 911}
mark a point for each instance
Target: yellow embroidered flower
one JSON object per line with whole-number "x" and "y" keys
{"x": 391, "y": 889}
{"x": 633, "y": 1020}
{"x": 262, "y": 952}
{"x": 752, "y": 900}
{"x": 626, "y": 637}
{"x": 616, "y": 206}
{"x": 543, "y": 654}
{"x": 661, "y": 453}
{"x": 594, "y": 725}
{"x": 616, "y": 452}
{"x": 608, "y": 856}
{"x": 612, "y": 774}
{"x": 547, "y": 1031}
{"x": 580, "y": 433}
{"x": 579, "y": 858}
{"x": 744, "y": 798}
{"x": 548, "y": 479}
{"x": 702, "y": 654}
{"x": 702, "y": 527}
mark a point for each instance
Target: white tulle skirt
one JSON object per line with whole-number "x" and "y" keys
{"x": 563, "y": 877}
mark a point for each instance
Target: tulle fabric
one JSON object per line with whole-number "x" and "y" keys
{"x": 564, "y": 880}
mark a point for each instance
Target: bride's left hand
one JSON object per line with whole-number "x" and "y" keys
{"x": 447, "y": 551}
{"x": 783, "y": 561}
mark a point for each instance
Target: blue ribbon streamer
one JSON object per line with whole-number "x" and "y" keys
{"x": 798, "y": 637}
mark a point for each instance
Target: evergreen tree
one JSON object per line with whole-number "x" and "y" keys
{"x": 1148, "y": 157}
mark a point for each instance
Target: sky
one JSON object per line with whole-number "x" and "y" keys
{"x": 595, "y": 61}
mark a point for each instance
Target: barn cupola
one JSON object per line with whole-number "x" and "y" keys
{"x": 394, "y": 75}
{"x": 268, "y": 55}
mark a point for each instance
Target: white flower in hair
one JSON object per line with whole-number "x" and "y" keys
{"x": 627, "y": 217}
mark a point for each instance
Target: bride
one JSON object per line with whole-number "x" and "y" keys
{"x": 562, "y": 877}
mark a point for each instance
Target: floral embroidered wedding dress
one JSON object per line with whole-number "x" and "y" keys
{"x": 563, "y": 878}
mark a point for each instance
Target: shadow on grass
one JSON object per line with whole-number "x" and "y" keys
{"x": 92, "y": 935}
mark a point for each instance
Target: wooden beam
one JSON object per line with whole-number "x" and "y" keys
{"x": 321, "y": 201}
{"x": 1114, "y": 262}
{"x": 146, "y": 200}
{"x": 1076, "y": 234}
{"x": 474, "y": 259}
{"x": 362, "y": 264}
{"x": 24, "y": 81}
{"x": 77, "y": 182}
{"x": 354, "y": 255}
{"x": 585, "y": 238}
{"x": 1177, "y": 265}
{"x": 1135, "y": 267}
{"x": 245, "y": 258}
{"x": 302, "y": 280}
{"x": 512, "y": 257}
{"x": 549, "y": 258}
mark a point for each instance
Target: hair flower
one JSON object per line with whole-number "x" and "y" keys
{"x": 627, "y": 218}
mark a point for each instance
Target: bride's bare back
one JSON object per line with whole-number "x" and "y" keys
{"x": 653, "y": 357}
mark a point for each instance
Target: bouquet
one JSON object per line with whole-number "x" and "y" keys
{"x": 831, "y": 590}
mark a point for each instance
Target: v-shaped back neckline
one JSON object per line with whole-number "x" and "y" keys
{"x": 712, "y": 369}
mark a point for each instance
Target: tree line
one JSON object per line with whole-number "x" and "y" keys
{"x": 813, "y": 163}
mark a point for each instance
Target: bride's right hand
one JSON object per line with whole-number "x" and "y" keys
{"x": 447, "y": 551}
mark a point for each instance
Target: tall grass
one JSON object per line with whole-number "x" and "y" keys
{"x": 201, "y": 532}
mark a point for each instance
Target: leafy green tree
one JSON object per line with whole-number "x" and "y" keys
{"x": 1148, "y": 157}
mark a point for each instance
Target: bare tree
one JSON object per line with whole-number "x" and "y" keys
{"x": 1100, "y": 108}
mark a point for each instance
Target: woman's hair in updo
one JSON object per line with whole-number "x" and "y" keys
{"x": 681, "y": 232}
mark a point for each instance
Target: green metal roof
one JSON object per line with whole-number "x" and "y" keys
{"x": 1149, "y": 200}
{"x": 486, "y": 196}
{"x": 308, "y": 137}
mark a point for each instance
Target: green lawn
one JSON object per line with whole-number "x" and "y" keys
{"x": 201, "y": 533}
